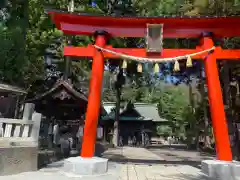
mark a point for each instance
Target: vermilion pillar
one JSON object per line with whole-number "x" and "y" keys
{"x": 219, "y": 123}
{"x": 94, "y": 100}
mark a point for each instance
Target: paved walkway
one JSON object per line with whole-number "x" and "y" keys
{"x": 125, "y": 164}
{"x": 179, "y": 153}
{"x": 142, "y": 164}
{"x": 160, "y": 172}
{"x": 130, "y": 153}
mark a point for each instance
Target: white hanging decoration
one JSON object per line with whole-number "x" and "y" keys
{"x": 156, "y": 68}
{"x": 139, "y": 68}
{"x": 189, "y": 62}
{"x": 124, "y": 65}
{"x": 176, "y": 66}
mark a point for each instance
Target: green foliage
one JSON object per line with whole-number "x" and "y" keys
{"x": 216, "y": 7}
{"x": 12, "y": 42}
{"x": 157, "y": 7}
{"x": 3, "y": 3}
{"x": 172, "y": 105}
{"x": 25, "y": 35}
{"x": 164, "y": 131}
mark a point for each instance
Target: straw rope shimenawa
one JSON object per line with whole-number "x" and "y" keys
{"x": 141, "y": 60}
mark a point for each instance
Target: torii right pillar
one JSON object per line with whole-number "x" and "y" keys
{"x": 219, "y": 123}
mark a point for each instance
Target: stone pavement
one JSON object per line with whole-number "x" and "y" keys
{"x": 160, "y": 172}
{"x": 125, "y": 164}
{"x": 130, "y": 153}
{"x": 180, "y": 153}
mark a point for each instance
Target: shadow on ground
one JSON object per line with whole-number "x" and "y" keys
{"x": 173, "y": 146}
{"x": 100, "y": 148}
{"x": 123, "y": 159}
{"x": 46, "y": 157}
{"x": 190, "y": 177}
{"x": 182, "y": 147}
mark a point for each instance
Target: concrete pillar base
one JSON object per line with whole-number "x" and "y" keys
{"x": 85, "y": 166}
{"x": 221, "y": 170}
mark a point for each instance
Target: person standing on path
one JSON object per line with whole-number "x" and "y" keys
{"x": 79, "y": 136}
{"x": 65, "y": 141}
{"x": 50, "y": 135}
{"x": 120, "y": 141}
{"x": 134, "y": 141}
{"x": 1, "y": 130}
{"x": 56, "y": 135}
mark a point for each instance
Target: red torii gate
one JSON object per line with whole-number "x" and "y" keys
{"x": 174, "y": 27}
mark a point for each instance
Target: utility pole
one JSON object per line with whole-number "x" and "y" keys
{"x": 69, "y": 42}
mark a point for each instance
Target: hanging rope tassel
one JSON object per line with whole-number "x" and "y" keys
{"x": 139, "y": 67}
{"x": 156, "y": 68}
{"x": 176, "y": 66}
{"x": 124, "y": 65}
{"x": 124, "y": 56}
{"x": 189, "y": 62}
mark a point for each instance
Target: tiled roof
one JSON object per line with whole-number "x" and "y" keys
{"x": 59, "y": 86}
{"x": 12, "y": 89}
{"x": 142, "y": 111}
{"x": 149, "y": 111}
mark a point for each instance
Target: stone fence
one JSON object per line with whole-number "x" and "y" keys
{"x": 19, "y": 143}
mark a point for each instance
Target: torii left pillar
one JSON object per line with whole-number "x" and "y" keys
{"x": 94, "y": 98}
{"x": 87, "y": 164}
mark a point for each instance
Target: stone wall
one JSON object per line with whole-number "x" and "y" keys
{"x": 15, "y": 160}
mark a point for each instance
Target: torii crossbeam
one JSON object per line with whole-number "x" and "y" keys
{"x": 174, "y": 27}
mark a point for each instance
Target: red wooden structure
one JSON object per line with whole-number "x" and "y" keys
{"x": 174, "y": 27}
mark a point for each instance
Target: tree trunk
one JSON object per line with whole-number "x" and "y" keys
{"x": 192, "y": 106}
{"x": 207, "y": 141}
{"x": 226, "y": 84}
{"x": 229, "y": 109}
{"x": 191, "y": 96}
{"x": 117, "y": 117}
{"x": 16, "y": 112}
{"x": 197, "y": 135}
{"x": 69, "y": 39}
